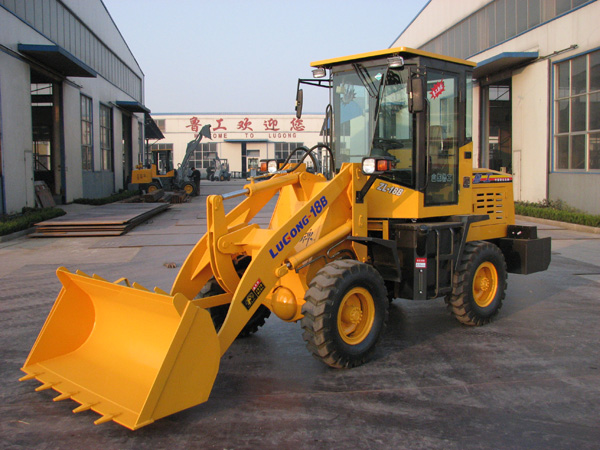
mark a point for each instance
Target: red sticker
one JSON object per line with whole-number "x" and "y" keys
{"x": 437, "y": 89}
{"x": 421, "y": 263}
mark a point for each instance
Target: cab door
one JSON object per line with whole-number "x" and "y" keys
{"x": 442, "y": 138}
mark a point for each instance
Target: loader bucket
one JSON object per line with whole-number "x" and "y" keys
{"x": 129, "y": 354}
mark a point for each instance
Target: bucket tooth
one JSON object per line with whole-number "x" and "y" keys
{"x": 98, "y": 277}
{"x": 29, "y": 376}
{"x": 139, "y": 286}
{"x": 84, "y": 407}
{"x": 160, "y": 291}
{"x": 64, "y": 396}
{"x": 105, "y": 418}
{"x": 83, "y": 274}
{"x": 124, "y": 281}
{"x": 45, "y": 386}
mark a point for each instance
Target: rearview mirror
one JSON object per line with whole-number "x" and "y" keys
{"x": 417, "y": 95}
{"x": 299, "y": 99}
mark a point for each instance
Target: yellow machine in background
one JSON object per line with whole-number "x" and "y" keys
{"x": 402, "y": 213}
{"x": 162, "y": 175}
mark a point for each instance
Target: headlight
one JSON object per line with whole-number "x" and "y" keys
{"x": 368, "y": 166}
{"x": 377, "y": 165}
{"x": 272, "y": 166}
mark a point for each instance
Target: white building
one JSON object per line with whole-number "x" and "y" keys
{"x": 71, "y": 102}
{"x": 241, "y": 139}
{"x": 536, "y": 102}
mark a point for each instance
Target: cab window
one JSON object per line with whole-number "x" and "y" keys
{"x": 442, "y": 138}
{"x": 394, "y": 133}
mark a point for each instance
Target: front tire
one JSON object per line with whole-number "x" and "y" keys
{"x": 152, "y": 187}
{"x": 345, "y": 313}
{"x": 219, "y": 313}
{"x": 479, "y": 284}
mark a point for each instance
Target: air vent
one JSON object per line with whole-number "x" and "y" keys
{"x": 490, "y": 203}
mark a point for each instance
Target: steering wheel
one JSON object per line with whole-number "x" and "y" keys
{"x": 387, "y": 144}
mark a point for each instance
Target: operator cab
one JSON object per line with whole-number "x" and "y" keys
{"x": 405, "y": 114}
{"x": 163, "y": 160}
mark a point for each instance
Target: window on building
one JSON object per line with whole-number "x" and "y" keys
{"x": 161, "y": 124}
{"x": 87, "y": 125}
{"x": 577, "y": 113}
{"x": 284, "y": 149}
{"x": 106, "y": 141}
{"x": 204, "y": 154}
{"x": 162, "y": 146}
{"x": 41, "y": 110}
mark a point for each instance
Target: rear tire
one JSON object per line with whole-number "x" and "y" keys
{"x": 479, "y": 284}
{"x": 189, "y": 189}
{"x": 345, "y": 313}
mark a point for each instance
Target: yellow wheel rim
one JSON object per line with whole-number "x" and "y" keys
{"x": 356, "y": 315}
{"x": 152, "y": 188}
{"x": 485, "y": 284}
{"x": 188, "y": 189}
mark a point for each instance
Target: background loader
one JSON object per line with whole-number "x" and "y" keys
{"x": 402, "y": 214}
{"x": 218, "y": 169}
{"x": 162, "y": 175}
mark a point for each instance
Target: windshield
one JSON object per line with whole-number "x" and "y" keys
{"x": 365, "y": 125}
{"x": 394, "y": 132}
{"x": 354, "y": 99}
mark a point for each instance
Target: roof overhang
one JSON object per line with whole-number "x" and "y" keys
{"x": 58, "y": 59}
{"x": 132, "y": 107}
{"x": 502, "y": 62}
{"x": 151, "y": 130}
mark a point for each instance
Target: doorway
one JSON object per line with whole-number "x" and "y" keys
{"x": 127, "y": 149}
{"x": 46, "y": 133}
{"x": 497, "y": 126}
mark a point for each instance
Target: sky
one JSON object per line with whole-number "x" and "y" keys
{"x": 236, "y": 56}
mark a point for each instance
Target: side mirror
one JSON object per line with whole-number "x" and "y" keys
{"x": 299, "y": 100}
{"x": 416, "y": 102}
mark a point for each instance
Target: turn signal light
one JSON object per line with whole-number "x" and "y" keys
{"x": 372, "y": 166}
{"x": 383, "y": 165}
{"x": 270, "y": 165}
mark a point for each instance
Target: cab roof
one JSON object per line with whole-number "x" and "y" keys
{"x": 405, "y": 52}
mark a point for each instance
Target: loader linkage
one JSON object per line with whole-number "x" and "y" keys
{"x": 84, "y": 349}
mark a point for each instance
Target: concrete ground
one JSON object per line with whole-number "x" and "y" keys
{"x": 531, "y": 379}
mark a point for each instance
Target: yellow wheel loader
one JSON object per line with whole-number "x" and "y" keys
{"x": 400, "y": 213}
{"x": 161, "y": 173}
